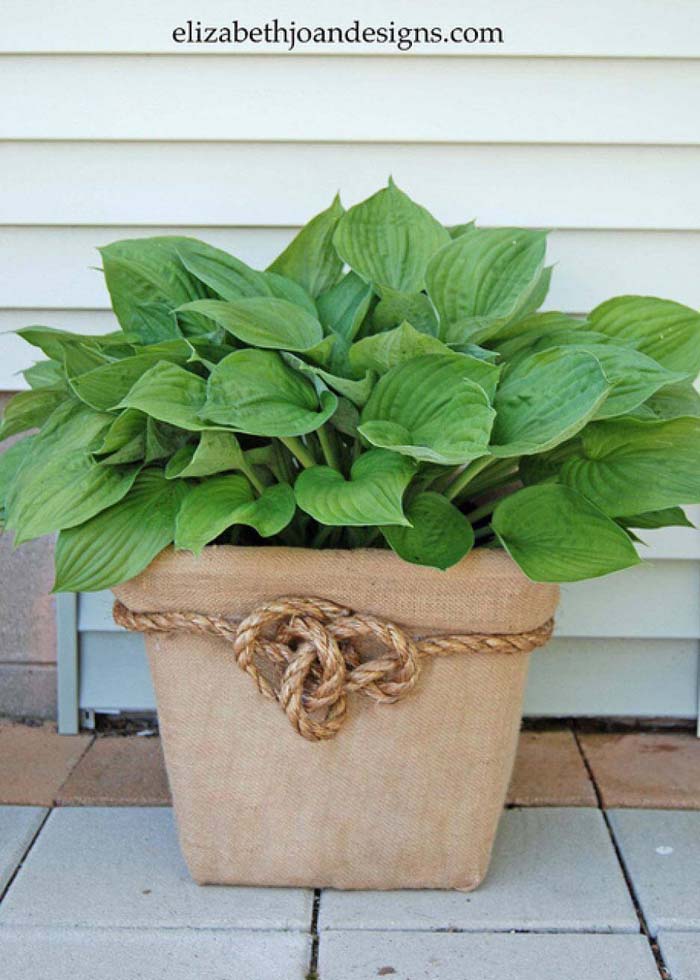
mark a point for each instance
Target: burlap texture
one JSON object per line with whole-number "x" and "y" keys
{"x": 407, "y": 795}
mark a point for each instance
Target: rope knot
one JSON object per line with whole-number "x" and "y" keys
{"x": 309, "y": 654}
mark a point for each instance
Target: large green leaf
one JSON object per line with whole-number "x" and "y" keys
{"x": 254, "y": 391}
{"x": 120, "y": 542}
{"x": 628, "y": 466}
{"x": 231, "y": 279}
{"x": 486, "y": 278}
{"x": 59, "y": 484}
{"x": 667, "y": 517}
{"x": 556, "y": 535}
{"x": 125, "y": 439}
{"x": 666, "y": 331}
{"x": 431, "y": 408}
{"x": 104, "y": 387}
{"x": 343, "y": 308}
{"x": 394, "y": 307}
{"x": 45, "y": 374}
{"x": 388, "y": 240}
{"x": 634, "y": 376}
{"x": 215, "y": 452}
{"x": 382, "y": 351}
{"x": 357, "y": 390}
{"x": 372, "y": 496}
{"x": 440, "y": 534}
{"x": 675, "y": 401}
{"x": 224, "y": 274}
{"x": 148, "y": 272}
{"x": 56, "y": 343}
{"x": 11, "y": 459}
{"x": 262, "y": 321}
{"x": 545, "y": 399}
{"x": 29, "y": 409}
{"x": 171, "y": 394}
{"x": 310, "y": 258}
{"x": 223, "y": 501}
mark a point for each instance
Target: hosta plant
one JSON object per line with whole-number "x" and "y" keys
{"x": 387, "y": 382}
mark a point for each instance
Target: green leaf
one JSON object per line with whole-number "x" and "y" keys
{"x": 666, "y": 331}
{"x": 11, "y": 459}
{"x": 382, "y": 351}
{"x": 125, "y": 439}
{"x": 55, "y": 343}
{"x": 30, "y": 409}
{"x": 221, "y": 502}
{"x": 343, "y": 308}
{"x": 59, "y": 484}
{"x": 310, "y": 258}
{"x": 440, "y": 535}
{"x": 224, "y": 274}
{"x": 104, "y": 387}
{"x": 263, "y": 321}
{"x": 171, "y": 394}
{"x": 286, "y": 289}
{"x": 120, "y": 542}
{"x": 394, "y": 307}
{"x": 357, "y": 390}
{"x": 388, "y": 240}
{"x": 215, "y": 452}
{"x": 486, "y": 278}
{"x": 675, "y": 401}
{"x": 628, "y": 466}
{"x": 372, "y": 496}
{"x": 667, "y": 517}
{"x": 254, "y": 391}
{"x": 545, "y": 399}
{"x": 431, "y": 408}
{"x": 45, "y": 374}
{"x": 148, "y": 272}
{"x": 634, "y": 378}
{"x": 556, "y": 535}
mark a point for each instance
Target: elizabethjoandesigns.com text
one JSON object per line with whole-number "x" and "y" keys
{"x": 291, "y": 35}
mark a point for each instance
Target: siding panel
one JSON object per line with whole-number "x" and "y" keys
{"x": 626, "y": 28}
{"x": 227, "y": 184}
{"x": 475, "y": 100}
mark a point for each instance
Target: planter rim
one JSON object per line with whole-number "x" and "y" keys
{"x": 484, "y": 593}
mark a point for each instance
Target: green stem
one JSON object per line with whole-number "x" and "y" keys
{"x": 483, "y": 511}
{"x": 249, "y": 470}
{"x": 466, "y": 476}
{"x": 495, "y": 475}
{"x": 298, "y": 449}
{"x": 328, "y": 447}
{"x": 483, "y": 532}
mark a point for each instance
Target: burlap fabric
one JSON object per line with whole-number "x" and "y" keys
{"x": 406, "y": 795}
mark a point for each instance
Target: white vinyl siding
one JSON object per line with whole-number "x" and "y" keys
{"x": 585, "y": 122}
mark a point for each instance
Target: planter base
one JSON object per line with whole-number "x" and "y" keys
{"x": 405, "y": 796}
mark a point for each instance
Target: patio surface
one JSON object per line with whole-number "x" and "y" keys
{"x": 596, "y": 873}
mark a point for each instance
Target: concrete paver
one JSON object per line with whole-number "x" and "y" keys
{"x": 118, "y": 772}
{"x": 655, "y": 770}
{"x": 479, "y": 956}
{"x": 18, "y": 826}
{"x": 681, "y": 953}
{"x": 152, "y": 954}
{"x": 35, "y": 760}
{"x": 553, "y": 869}
{"x": 121, "y": 867}
{"x": 661, "y": 850}
{"x": 549, "y": 771}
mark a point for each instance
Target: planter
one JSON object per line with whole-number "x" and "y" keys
{"x": 406, "y": 795}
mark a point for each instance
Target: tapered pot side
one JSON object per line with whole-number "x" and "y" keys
{"x": 406, "y": 795}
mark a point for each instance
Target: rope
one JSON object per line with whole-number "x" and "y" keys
{"x": 310, "y": 645}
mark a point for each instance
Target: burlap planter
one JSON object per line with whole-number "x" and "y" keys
{"x": 406, "y": 795}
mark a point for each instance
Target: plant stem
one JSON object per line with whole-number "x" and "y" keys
{"x": 482, "y": 532}
{"x": 466, "y": 476}
{"x": 298, "y": 449}
{"x": 482, "y": 511}
{"x": 328, "y": 447}
{"x": 249, "y": 470}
